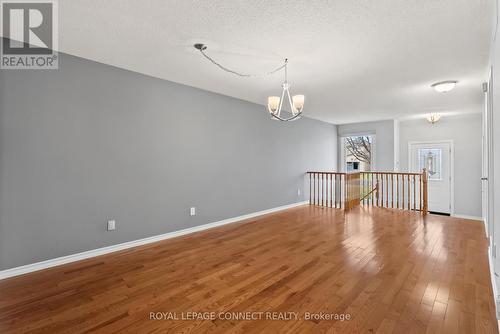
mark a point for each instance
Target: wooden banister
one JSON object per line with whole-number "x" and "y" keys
{"x": 406, "y": 191}
{"x": 369, "y": 194}
{"x": 327, "y": 189}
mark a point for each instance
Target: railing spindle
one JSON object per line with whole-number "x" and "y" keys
{"x": 397, "y": 191}
{"x": 409, "y": 193}
{"x": 402, "y": 189}
{"x": 326, "y": 189}
{"x": 414, "y": 194}
{"x": 310, "y": 188}
{"x": 345, "y": 191}
{"x": 317, "y": 190}
{"x": 371, "y": 183}
{"x": 381, "y": 189}
{"x": 392, "y": 191}
{"x": 386, "y": 190}
{"x": 331, "y": 190}
{"x": 316, "y": 185}
{"x": 338, "y": 189}
{"x": 420, "y": 192}
{"x": 335, "y": 191}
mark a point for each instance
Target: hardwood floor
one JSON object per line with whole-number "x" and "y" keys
{"x": 390, "y": 271}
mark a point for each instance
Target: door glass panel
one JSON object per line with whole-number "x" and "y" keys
{"x": 430, "y": 159}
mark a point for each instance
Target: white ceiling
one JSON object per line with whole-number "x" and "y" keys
{"x": 354, "y": 60}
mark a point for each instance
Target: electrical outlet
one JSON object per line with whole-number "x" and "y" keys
{"x": 192, "y": 211}
{"x": 111, "y": 225}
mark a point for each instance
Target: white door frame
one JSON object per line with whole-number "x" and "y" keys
{"x": 452, "y": 165}
{"x": 488, "y": 114}
{"x": 486, "y": 156}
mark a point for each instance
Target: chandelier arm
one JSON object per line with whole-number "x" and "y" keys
{"x": 292, "y": 108}
{"x": 281, "y": 102}
{"x": 287, "y": 119}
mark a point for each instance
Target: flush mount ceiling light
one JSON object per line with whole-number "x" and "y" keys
{"x": 433, "y": 118}
{"x": 274, "y": 103}
{"x": 444, "y": 86}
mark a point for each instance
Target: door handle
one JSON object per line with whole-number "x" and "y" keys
{"x": 484, "y": 179}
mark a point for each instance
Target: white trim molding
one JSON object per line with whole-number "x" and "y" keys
{"x": 134, "y": 243}
{"x": 493, "y": 284}
{"x": 467, "y": 217}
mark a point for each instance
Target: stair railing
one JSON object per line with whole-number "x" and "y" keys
{"x": 395, "y": 190}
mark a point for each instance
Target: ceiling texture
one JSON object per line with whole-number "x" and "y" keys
{"x": 353, "y": 60}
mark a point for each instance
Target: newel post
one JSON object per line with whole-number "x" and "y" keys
{"x": 425, "y": 207}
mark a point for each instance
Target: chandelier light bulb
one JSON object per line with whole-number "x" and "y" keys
{"x": 273, "y": 103}
{"x": 298, "y": 102}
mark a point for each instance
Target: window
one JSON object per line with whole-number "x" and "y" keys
{"x": 358, "y": 153}
{"x": 430, "y": 159}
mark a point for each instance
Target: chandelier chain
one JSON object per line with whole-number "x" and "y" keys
{"x": 213, "y": 61}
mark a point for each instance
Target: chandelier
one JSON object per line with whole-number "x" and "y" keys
{"x": 274, "y": 103}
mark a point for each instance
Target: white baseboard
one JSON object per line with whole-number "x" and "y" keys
{"x": 467, "y": 217}
{"x": 493, "y": 284}
{"x": 114, "y": 248}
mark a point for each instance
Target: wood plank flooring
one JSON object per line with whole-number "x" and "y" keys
{"x": 390, "y": 271}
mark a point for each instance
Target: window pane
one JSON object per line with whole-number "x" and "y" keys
{"x": 358, "y": 153}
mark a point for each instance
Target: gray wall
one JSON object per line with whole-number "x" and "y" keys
{"x": 385, "y": 143}
{"x": 466, "y": 133}
{"x": 90, "y": 142}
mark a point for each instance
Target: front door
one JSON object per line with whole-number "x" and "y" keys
{"x": 436, "y": 159}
